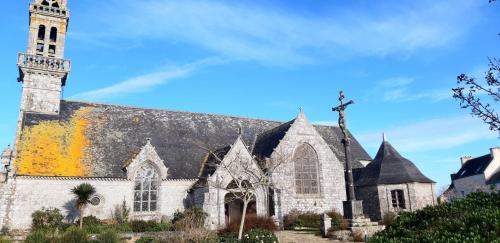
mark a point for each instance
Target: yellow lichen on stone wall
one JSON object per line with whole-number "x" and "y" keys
{"x": 54, "y": 148}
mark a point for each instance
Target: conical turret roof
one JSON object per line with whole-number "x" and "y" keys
{"x": 389, "y": 167}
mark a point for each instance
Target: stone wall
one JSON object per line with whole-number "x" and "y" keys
{"x": 33, "y": 193}
{"x": 416, "y": 196}
{"x": 470, "y": 184}
{"x": 331, "y": 173}
{"x": 41, "y": 93}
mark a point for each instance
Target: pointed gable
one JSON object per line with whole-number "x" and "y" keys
{"x": 389, "y": 167}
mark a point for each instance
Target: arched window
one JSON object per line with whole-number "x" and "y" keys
{"x": 146, "y": 189}
{"x": 306, "y": 170}
{"x": 41, "y": 32}
{"x": 45, "y": 3}
{"x": 55, "y": 4}
{"x": 53, "y": 34}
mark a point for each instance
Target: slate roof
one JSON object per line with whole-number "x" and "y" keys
{"x": 117, "y": 133}
{"x": 473, "y": 167}
{"x": 389, "y": 167}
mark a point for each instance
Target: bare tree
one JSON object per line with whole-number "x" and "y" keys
{"x": 481, "y": 97}
{"x": 248, "y": 177}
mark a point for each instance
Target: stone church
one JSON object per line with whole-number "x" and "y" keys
{"x": 157, "y": 161}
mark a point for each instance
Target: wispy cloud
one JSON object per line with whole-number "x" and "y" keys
{"x": 431, "y": 135}
{"x": 399, "y": 89}
{"x": 147, "y": 81}
{"x": 246, "y": 31}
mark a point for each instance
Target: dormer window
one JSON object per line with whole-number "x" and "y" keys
{"x": 146, "y": 189}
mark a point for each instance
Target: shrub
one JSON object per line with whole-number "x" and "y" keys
{"x": 388, "y": 218}
{"x": 149, "y": 226}
{"x": 261, "y": 236}
{"x": 290, "y": 219}
{"x": 38, "y": 237}
{"x": 192, "y": 218}
{"x": 251, "y": 222}
{"x": 359, "y": 236}
{"x": 228, "y": 238}
{"x": 3, "y": 240}
{"x": 193, "y": 235}
{"x": 338, "y": 221}
{"x": 296, "y": 219}
{"x": 108, "y": 236}
{"x": 147, "y": 239}
{"x": 74, "y": 235}
{"x": 120, "y": 213}
{"x": 50, "y": 220}
{"x": 473, "y": 219}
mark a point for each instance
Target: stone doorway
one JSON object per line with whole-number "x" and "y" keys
{"x": 234, "y": 209}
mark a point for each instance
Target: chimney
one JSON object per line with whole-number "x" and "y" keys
{"x": 495, "y": 152}
{"x": 464, "y": 159}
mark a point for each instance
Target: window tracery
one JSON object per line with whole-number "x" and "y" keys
{"x": 146, "y": 189}
{"x": 306, "y": 170}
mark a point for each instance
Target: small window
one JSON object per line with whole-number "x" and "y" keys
{"x": 55, "y": 5}
{"x": 398, "y": 199}
{"x": 39, "y": 47}
{"x": 53, "y": 34}
{"x": 52, "y": 49}
{"x": 45, "y": 3}
{"x": 41, "y": 32}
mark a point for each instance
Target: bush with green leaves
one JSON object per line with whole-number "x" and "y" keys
{"x": 47, "y": 219}
{"x": 39, "y": 237}
{"x": 149, "y": 226}
{"x": 74, "y": 235}
{"x": 338, "y": 221}
{"x": 109, "y": 236}
{"x": 261, "y": 236}
{"x": 296, "y": 219}
{"x": 473, "y": 219}
{"x": 4, "y": 240}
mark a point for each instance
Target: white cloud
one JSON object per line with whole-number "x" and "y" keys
{"x": 245, "y": 31}
{"x": 145, "y": 82}
{"x": 399, "y": 89}
{"x": 435, "y": 134}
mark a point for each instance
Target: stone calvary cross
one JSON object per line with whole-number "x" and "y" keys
{"x": 352, "y": 207}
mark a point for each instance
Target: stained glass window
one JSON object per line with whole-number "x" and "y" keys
{"x": 306, "y": 170}
{"x": 146, "y": 189}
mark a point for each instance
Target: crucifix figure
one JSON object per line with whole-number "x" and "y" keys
{"x": 346, "y": 141}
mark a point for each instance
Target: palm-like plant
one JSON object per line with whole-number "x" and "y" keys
{"x": 83, "y": 193}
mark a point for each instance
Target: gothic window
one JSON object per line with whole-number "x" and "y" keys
{"x": 41, "y": 32}
{"x": 398, "y": 199}
{"x": 306, "y": 170}
{"x": 53, "y": 34}
{"x": 146, "y": 189}
{"x": 45, "y": 3}
{"x": 55, "y": 4}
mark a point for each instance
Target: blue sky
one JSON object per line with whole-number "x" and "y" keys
{"x": 397, "y": 59}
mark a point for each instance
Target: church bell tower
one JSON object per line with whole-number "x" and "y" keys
{"x": 42, "y": 69}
